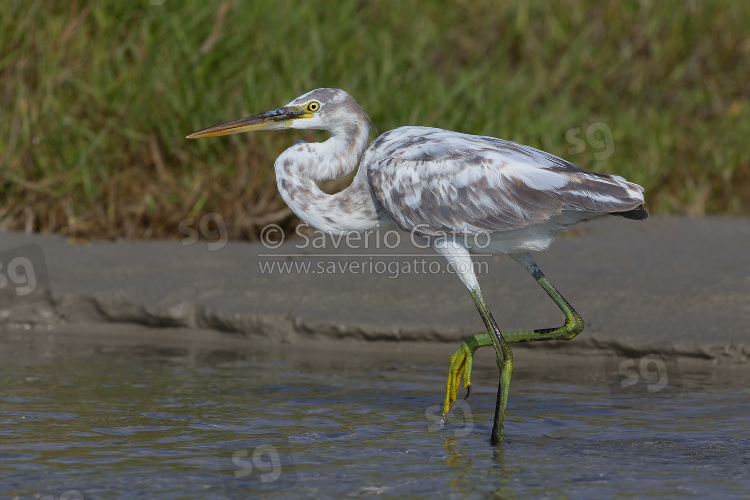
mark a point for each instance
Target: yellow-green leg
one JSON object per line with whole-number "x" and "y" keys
{"x": 504, "y": 357}
{"x": 461, "y": 361}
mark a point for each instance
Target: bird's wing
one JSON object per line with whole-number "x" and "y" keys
{"x": 435, "y": 181}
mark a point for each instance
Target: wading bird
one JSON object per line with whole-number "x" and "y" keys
{"x": 456, "y": 190}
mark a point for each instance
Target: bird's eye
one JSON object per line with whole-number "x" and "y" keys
{"x": 313, "y": 106}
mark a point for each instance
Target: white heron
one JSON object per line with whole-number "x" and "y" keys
{"x": 448, "y": 187}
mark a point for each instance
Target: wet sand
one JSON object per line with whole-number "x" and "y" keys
{"x": 670, "y": 285}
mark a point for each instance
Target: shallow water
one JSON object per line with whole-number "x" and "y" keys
{"x": 153, "y": 418}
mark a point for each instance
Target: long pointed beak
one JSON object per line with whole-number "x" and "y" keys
{"x": 270, "y": 120}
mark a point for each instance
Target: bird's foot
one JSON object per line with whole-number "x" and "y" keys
{"x": 460, "y": 364}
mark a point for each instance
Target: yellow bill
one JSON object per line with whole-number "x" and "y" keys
{"x": 270, "y": 120}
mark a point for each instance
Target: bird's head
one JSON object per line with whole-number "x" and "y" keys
{"x": 324, "y": 109}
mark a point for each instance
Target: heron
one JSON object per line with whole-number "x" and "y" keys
{"x": 461, "y": 192}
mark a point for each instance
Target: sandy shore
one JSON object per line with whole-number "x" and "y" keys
{"x": 669, "y": 284}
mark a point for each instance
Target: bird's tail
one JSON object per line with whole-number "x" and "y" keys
{"x": 638, "y": 213}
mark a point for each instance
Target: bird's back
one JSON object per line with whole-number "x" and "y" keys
{"x": 433, "y": 181}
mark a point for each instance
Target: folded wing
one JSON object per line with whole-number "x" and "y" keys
{"x": 434, "y": 181}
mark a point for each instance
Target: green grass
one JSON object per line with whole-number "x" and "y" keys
{"x": 97, "y": 97}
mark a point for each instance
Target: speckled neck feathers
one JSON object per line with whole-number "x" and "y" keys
{"x": 300, "y": 167}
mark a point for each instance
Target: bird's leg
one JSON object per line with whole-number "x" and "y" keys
{"x": 458, "y": 256}
{"x": 461, "y": 363}
{"x": 573, "y": 322}
{"x": 462, "y": 360}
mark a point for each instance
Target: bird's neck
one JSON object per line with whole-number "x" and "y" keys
{"x": 302, "y": 166}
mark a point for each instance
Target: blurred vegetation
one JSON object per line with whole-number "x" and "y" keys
{"x": 97, "y": 97}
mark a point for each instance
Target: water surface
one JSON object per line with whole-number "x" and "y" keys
{"x": 156, "y": 415}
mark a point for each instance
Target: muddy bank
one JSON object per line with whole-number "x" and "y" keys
{"x": 670, "y": 284}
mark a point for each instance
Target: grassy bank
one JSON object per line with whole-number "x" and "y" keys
{"x": 97, "y": 97}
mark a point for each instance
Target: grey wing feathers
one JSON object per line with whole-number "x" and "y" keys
{"x": 434, "y": 181}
